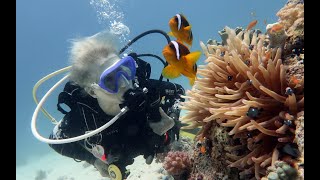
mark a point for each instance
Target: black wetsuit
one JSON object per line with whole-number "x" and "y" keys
{"x": 128, "y": 137}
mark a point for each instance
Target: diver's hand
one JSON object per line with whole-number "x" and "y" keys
{"x": 134, "y": 99}
{"x": 164, "y": 125}
{"x": 102, "y": 167}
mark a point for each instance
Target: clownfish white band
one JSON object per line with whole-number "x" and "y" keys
{"x": 179, "y": 21}
{"x": 176, "y": 45}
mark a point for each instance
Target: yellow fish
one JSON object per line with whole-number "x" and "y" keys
{"x": 181, "y": 29}
{"x": 180, "y": 61}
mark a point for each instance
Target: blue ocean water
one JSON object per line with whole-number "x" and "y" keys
{"x": 44, "y": 28}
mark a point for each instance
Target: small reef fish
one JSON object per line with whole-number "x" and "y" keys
{"x": 276, "y": 28}
{"x": 203, "y": 149}
{"x": 294, "y": 80}
{"x": 180, "y": 61}
{"x": 252, "y": 24}
{"x": 181, "y": 29}
{"x": 203, "y": 145}
{"x": 265, "y": 22}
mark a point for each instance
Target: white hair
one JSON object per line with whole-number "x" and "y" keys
{"x": 88, "y": 54}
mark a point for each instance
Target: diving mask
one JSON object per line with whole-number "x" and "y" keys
{"x": 110, "y": 78}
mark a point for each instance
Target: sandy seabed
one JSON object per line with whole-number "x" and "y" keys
{"x": 56, "y": 167}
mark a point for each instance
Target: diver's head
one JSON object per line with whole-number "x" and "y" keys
{"x": 97, "y": 68}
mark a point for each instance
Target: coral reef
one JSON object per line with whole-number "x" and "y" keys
{"x": 300, "y": 133}
{"x": 177, "y": 164}
{"x": 281, "y": 170}
{"x": 277, "y": 35}
{"x": 249, "y": 101}
{"x": 183, "y": 144}
{"x": 291, "y": 16}
{"x": 210, "y": 162}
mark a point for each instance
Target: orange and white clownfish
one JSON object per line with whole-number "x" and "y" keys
{"x": 181, "y": 29}
{"x": 180, "y": 61}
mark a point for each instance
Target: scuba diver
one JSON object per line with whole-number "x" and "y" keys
{"x": 103, "y": 87}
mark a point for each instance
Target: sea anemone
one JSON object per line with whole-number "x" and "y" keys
{"x": 244, "y": 89}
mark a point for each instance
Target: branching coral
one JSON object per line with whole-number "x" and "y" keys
{"x": 244, "y": 88}
{"x": 177, "y": 163}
